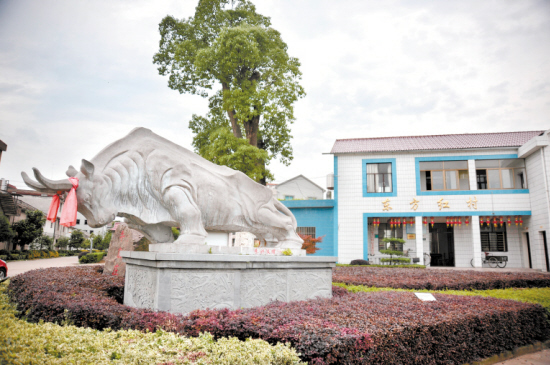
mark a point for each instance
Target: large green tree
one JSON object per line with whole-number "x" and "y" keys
{"x": 6, "y": 233}
{"x": 29, "y": 229}
{"x": 77, "y": 239}
{"x": 230, "y": 54}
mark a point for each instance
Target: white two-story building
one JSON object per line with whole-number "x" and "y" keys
{"x": 453, "y": 197}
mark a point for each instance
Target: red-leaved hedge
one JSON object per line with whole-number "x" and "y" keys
{"x": 437, "y": 279}
{"x": 374, "y": 328}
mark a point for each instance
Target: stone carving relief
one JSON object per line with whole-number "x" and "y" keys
{"x": 198, "y": 289}
{"x": 259, "y": 287}
{"x": 306, "y": 284}
{"x": 140, "y": 288}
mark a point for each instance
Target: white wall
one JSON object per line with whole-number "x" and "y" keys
{"x": 299, "y": 188}
{"x": 539, "y": 220}
{"x": 352, "y": 204}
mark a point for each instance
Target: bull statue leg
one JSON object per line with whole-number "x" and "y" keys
{"x": 178, "y": 200}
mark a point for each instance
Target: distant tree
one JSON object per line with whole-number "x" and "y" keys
{"x": 85, "y": 245}
{"x": 77, "y": 239}
{"x": 97, "y": 241}
{"x": 44, "y": 242}
{"x": 62, "y": 243}
{"x": 106, "y": 240}
{"x": 310, "y": 243}
{"x": 231, "y": 54}
{"x": 29, "y": 229}
{"x": 6, "y": 233}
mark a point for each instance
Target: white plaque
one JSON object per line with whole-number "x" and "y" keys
{"x": 425, "y": 297}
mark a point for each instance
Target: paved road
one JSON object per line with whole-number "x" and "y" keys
{"x": 19, "y": 267}
{"x": 537, "y": 358}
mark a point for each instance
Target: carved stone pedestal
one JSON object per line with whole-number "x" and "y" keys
{"x": 180, "y": 283}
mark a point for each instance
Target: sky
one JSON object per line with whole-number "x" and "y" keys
{"x": 78, "y": 75}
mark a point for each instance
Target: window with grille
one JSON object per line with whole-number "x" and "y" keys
{"x": 493, "y": 239}
{"x": 308, "y": 231}
{"x": 385, "y": 230}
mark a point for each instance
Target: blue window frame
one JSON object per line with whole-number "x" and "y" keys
{"x": 464, "y": 192}
{"x": 380, "y": 173}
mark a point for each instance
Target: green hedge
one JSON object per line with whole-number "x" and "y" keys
{"x": 395, "y": 260}
{"x": 92, "y": 258}
{"x": 412, "y": 266}
{"x": 27, "y": 255}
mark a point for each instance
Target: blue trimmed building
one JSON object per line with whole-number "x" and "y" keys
{"x": 438, "y": 193}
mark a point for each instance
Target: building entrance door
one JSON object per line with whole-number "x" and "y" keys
{"x": 442, "y": 245}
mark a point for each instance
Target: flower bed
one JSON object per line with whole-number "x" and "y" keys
{"x": 437, "y": 279}
{"x": 374, "y": 328}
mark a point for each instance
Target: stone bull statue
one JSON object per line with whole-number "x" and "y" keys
{"x": 156, "y": 184}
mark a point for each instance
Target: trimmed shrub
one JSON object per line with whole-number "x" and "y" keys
{"x": 26, "y": 343}
{"x": 376, "y": 328}
{"x": 437, "y": 279}
{"x": 91, "y": 258}
{"x": 359, "y": 262}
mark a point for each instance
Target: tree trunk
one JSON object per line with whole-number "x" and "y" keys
{"x": 231, "y": 114}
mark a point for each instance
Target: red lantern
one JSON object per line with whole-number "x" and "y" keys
{"x": 495, "y": 221}
{"x": 509, "y": 221}
{"x": 520, "y": 221}
{"x": 404, "y": 222}
{"x": 467, "y": 220}
{"x": 425, "y": 221}
{"x": 516, "y": 220}
{"x": 391, "y": 222}
{"x": 501, "y": 221}
{"x": 411, "y": 221}
{"x": 399, "y": 222}
{"x": 481, "y": 220}
{"x": 448, "y": 222}
{"x": 432, "y": 221}
{"x": 460, "y": 222}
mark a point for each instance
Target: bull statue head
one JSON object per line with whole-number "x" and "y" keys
{"x": 91, "y": 192}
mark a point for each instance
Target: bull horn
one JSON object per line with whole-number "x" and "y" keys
{"x": 59, "y": 185}
{"x": 36, "y": 186}
{"x": 71, "y": 172}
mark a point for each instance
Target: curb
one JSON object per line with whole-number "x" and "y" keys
{"x": 518, "y": 351}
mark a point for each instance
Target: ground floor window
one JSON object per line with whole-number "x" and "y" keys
{"x": 493, "y": 238}
{"x": 308, "y": 231}
{"x": 385, "y": 230}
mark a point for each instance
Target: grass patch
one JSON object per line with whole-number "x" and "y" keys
{"x": 412, "y": 266}
{"x": 529, "y": 295}
{"x": 46, "y": 343}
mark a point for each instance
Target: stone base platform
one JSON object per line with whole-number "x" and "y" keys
{"x": 225, "y": 250}
{"x": 180, "y": 283}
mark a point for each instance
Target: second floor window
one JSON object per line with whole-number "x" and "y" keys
{"x": 379, "y": 178}
{"x": 444, "y": 175}
{"x": 501, "y": 174}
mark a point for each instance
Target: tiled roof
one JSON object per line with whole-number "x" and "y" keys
{"x": 441, "y": 142}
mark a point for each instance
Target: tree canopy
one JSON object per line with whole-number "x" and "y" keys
{"x": 29, "y": 229}
{"x": 230, "y": 54}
